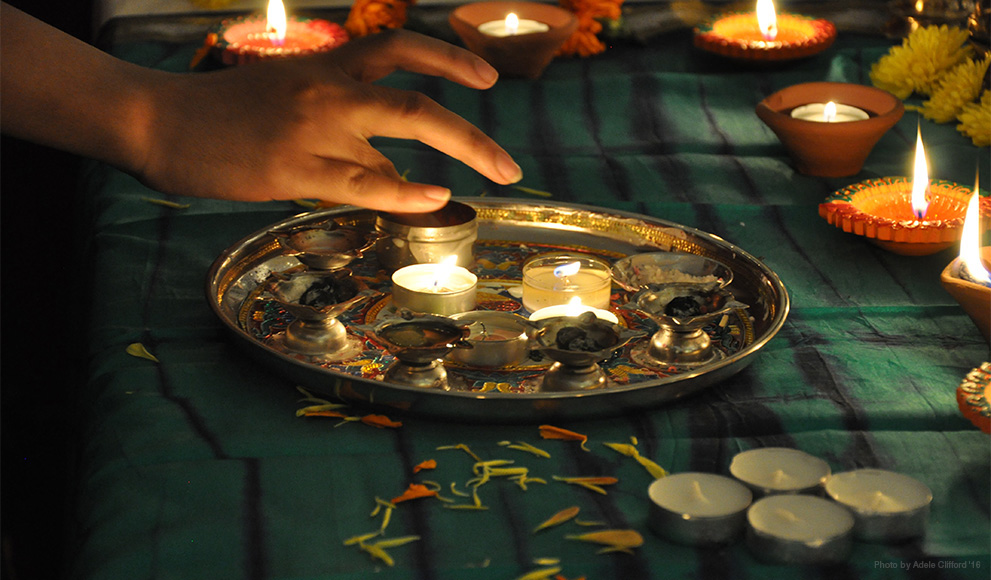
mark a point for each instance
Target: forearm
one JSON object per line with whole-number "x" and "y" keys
{"x": 59, "y": 91}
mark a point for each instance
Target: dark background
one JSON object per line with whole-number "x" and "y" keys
{"x": 41, "y": 356}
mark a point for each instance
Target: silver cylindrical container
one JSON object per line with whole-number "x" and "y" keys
{"x": 428, "y": 237}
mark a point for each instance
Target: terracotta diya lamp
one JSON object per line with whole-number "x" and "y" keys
{"x": 966, "y": 278}
{"x": 253, "y": 38}
{"x": 912, "y": 217}
{"x": 830, "y": 146}
{"x": 764, "y": 36}
{"x": 519, "y": 39}
{"x": 973, "y": 397}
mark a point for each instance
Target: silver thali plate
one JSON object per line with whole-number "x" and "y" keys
{"x": 508, "y": 232}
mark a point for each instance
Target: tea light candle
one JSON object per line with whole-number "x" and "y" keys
{"x": 554, "y": 280}
{"x": 254, "y": 38}
{"x": 779, "y": 470}
{"x": 887, "y": 506}
{"x": 573, "y": 308}
{"x": 797, "y": 529}
{"x": 698, "y": 508}
{"x": 434, "y": 288}
{"x": 512, "y": 26}
{"x": 829, "y": 113}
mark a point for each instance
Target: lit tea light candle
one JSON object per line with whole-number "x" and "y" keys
{"x": 442, "y": 288}
{"x": 513, "y": 25}
{"x": 887, "y": 506}
{"x": 797, "y": 529}
{"x": 573, "y": 308}
{"x": 555, "y": 280}
{"x": 829, "y": 112}
{"x": 253, "y": 38}
{"x": 972, "y": 267}
{"x": 765, "y": 35}
{"x": 698, "y": 508}
{"x": 966, "y": 278}
{"x": 779, "y": 470}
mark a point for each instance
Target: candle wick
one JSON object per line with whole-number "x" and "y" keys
{"x": 697, "y": 492}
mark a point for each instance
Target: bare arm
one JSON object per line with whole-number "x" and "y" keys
{"x": 274, "y": 130}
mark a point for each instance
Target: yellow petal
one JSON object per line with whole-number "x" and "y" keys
{"x": 137, "y": 349}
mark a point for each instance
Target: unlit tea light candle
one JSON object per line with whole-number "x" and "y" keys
{"x": 698, "y": 508}
{"x": 512, "y": 26}
{"x": 829, "y": 113}
{"x": 795, "y": 529}
{"x": 887, "y": 506}
{"x": 779, "y": 470}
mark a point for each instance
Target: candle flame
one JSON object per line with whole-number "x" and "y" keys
{"x": 569, "y": 269}
{"x": 829, "y": 112}
{"x": 444, "y": 270}
{"x": 276, "y": 22}
{"x": 970, "y": 241}
{"x": 920, "y": 179}
{"x": 575, "y": 306}
{"x": 767, "y": 20}
{"x": 512, "y": 23}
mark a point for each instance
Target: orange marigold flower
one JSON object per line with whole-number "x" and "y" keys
{"x": 371, "y": 16}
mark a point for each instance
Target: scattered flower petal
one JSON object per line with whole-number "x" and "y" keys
{"x": 137, "y": 349}
{"x": 558, "y": 518}
{"x": 552, "y": 432}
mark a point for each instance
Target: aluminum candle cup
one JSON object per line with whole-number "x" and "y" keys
{"x": 887, "y": 506}
{"x": 774, "y": 470}
{"x": 698, "y": 508}
{"x": 434, "y": 289}
{"x": 799, "y": 529}
{"x": 498, "y": 339}
{"x": 557, "y": 279}
{"x": 573, "y": 310}
{"x": 427, "y": 237}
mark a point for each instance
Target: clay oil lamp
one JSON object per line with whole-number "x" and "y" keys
{"x": 253, "y": 38}
{"x": 519, "y": 39}
{"x": 763, "y": 36}
{"x": 828, "y": 128}
{"x": 577, "y": 345}
{"x": 316, "y": 299}
{"x": 912, "y": 217}
{"x": 966, "y": 278}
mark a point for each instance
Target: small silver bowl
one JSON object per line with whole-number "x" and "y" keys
{"x": 326, "y": 246}
{"x": 888, "y": 507}
{"x": 638, "y": 271}
{"x": 427, "y": 238}
{"x": 498, "y": 339}
{"x": 419, "y": 342}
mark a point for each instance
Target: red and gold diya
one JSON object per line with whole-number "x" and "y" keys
{"x": 254, "y": 38}
{"x": 764, "y": 35}
{"x": 973, "y": 396}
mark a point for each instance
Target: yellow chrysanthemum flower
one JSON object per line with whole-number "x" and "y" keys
{"x": 960, "y": 85}
{"x": 975, "y": 120}
{"x": 924, "y": 55}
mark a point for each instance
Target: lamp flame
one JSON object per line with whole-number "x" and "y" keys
{"x": 444, "y": 270}
{"x": 275, "y": 24}
{"x": 829, "y": 112}
{"x": 767, "y": 20}
{"x": 575, "y": 306}
{"x": 970, "y": 241}
{"x": 920, "y": 179}
{"x": 569, "y": 269}
{"x": 512, "y": 23}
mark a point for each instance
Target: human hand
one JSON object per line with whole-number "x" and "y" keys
{"x": 299, "y": 128}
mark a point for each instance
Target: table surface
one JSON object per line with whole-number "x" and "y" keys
{"x": 198, "y": 467}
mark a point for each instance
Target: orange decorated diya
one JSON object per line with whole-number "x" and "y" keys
{"x": 740, "y": 35}
{"x": 972, "y": 397}
{"x": 881, "y": 211}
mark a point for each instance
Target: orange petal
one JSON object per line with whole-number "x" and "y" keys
{"x": 415, "y": 491}
{"x": 337, "y": 414}
{"x": 559, "y": 518}
{"x": 380, "y": 421}
{"x": 552, "y": 432}
{"x": 428, "y": 464}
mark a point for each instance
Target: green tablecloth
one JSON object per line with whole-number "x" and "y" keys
{"x": 197, "y": 467}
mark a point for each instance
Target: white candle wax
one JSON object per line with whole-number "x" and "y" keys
{"x": 817, "y": 112}
{"x": 700, "y": 495}
{"x": 573, "y": 310}
{"x": 887, "y": 506}
{"x": 779, "y": 470}
{"x": 804, "y": 519}
{"x": 434, "y": 278}
{"x": 503, "y": 28}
